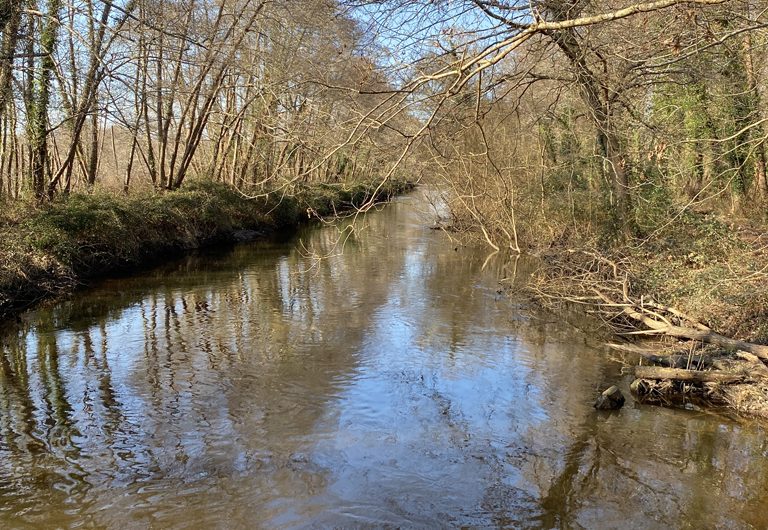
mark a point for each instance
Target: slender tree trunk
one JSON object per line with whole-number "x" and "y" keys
{"x": 10, "y": 41}
{"x": 758, "y": 133}
{"x": 615, "y": 162}
{"x": 38, "y": 113}
{"x": 93, "y": 155}
{"x": 598, "y": 99}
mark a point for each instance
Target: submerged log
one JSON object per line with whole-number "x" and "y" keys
{"x": 670, "y": 360}
{"x": 689, "y": 376}
{"x": 611, "y": 399}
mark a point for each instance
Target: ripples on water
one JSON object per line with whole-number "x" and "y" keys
{"x": 385, "y": 385}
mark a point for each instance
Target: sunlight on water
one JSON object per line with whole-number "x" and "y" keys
{"x": 288, "y": 384}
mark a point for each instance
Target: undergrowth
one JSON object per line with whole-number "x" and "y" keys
{"x": 697, "y": 259}
{"x": 45, "y": 249}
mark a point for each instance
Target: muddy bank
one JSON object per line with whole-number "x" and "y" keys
{"x": 47, "y": 251}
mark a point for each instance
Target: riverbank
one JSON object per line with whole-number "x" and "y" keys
{"x": 314, "y": 392}
{"x": 48, "y": 250}
{"x": 696, "y": 295}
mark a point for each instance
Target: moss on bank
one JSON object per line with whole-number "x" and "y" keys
{"x": 46, "y": 250}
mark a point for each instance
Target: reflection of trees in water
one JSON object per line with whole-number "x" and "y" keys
{"x": 572, "y": 461}
{"x": 38, "y": 448}
{"x": 638, "y": 478}
{"x": 207, "y": 377}
{"x": 665, "y": 466}
{"x": 216, "y": 369}
{"x": 582, "y": 466}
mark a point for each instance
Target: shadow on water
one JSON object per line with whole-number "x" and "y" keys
{"x": 388, "y": 383}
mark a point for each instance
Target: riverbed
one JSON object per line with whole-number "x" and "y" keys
{"x": 370, "y": 372}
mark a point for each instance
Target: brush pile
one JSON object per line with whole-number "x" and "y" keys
{"x": 686, "y": 359}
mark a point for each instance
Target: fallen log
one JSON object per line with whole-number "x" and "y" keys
{"x": 729, "y": 371}
{"x": 698, "y": 333}
{"x": 676, "y": 312}
{"x": 755, "y": 362}
{"x": 689, "y": 376}
{"x": 643, "y": 311}
{"x": 710, "y": 337}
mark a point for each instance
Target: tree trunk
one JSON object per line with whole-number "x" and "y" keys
{"x": 93, "y": 155}
{"x": 10, "y": 30}
{"x": 758, "y": 133}
{"x": 616, "y": 170}
{"x": 597, "y": 97}
{"x": 689, "y": 376}
{"x": 38, "y": 113}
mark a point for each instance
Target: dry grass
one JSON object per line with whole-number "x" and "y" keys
{"x": 708, "y": 268}
{"x": 748, "y": 399}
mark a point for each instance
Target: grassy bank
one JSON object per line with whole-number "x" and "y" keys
{"x": 47, "y": 250}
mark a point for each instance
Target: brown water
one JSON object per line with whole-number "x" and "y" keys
{"x": 388, "y": 385}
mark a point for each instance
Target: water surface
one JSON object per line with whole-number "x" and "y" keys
{"x": 382, "y": 382}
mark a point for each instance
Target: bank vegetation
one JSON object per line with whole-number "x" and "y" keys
{"x": 589, "y": 132}
{"x": 624, "y": 143}
{"x": 51, "y": 249}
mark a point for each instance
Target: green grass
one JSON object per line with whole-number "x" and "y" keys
{"x": 47, "y": 249}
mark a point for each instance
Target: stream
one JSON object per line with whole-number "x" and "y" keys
{"x": 371, "y": 378}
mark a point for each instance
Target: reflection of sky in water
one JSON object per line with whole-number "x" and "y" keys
{"x": 427, "y": 407}
{"x": 388, "y": 385}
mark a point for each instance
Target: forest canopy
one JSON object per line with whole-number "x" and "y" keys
{"x": 622, "y": 111}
